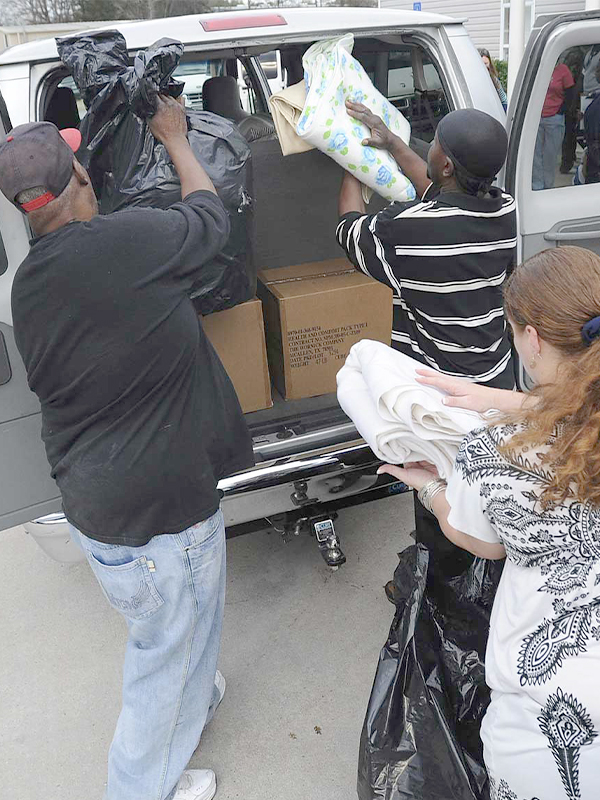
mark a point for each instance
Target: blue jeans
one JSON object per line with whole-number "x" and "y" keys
{"x": 548, "y": 145}
{"x": 171, "y": 593}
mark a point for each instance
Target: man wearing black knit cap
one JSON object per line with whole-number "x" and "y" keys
{"x": 445, "y": 257}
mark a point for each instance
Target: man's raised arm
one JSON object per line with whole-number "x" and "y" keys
{"x": 169, "y": 126}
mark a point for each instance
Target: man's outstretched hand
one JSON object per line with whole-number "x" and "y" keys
{"x": 169, "y": 126}
{"x": 381, "y": 136}
{"x": 169, "y": 121}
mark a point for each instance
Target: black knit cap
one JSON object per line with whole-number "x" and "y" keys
{"x": 474, "y": 141}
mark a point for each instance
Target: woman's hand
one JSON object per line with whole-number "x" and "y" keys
{"x": 463, "y": 393}
{"x": 414, "y": 474}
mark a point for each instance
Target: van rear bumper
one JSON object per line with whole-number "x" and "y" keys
{"x": 326, "y": 475}
{"x": 336, "y": 476}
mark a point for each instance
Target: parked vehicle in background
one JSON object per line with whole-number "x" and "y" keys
{"x": 310, "y": 459}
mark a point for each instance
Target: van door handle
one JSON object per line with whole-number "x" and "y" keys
{"x": 571, "y": 237}
{"x": 5, "y": 370}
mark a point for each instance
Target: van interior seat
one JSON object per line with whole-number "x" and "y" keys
{"x": 62, "y": 108}
{"x": 221, "y": 96}
{"x": 295, "y": 206}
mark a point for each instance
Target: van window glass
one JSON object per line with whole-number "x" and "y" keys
{"x": 67, "y": 85}
{"x": 194, "y": 74}
{"x": 66, "y": 108}
{"x": 407, "y": 76}
{"x": 268, "y": 62}
{"x": 271, "y": 66}
{"x": 567, "y": 145}
{"x": 411, "y": 81}
{"x": 247, "y": 93}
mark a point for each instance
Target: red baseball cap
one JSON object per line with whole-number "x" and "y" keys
{"x": 37, "y": 155}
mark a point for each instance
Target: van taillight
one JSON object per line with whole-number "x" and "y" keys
{"x": 230, "y": 22}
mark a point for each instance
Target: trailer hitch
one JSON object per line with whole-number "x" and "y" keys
{"x": 318, "y": 522}
{"x": 328, "y": 540}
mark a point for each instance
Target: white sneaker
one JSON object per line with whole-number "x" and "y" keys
{"x": 196, "y": 784}
{"x": 221, "y": 684}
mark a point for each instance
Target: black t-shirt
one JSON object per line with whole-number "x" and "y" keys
{"x": 139, "y": 418}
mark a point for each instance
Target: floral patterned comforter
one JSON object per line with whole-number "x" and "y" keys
{"x": 332, "y": 74}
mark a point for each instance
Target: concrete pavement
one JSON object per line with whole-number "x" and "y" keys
{"x": 299, "y": 652}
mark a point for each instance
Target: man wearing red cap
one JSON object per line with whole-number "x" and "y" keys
{"x": 140, "y": 421}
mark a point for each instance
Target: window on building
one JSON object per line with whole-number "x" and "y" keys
{"x": 505, "y": 24}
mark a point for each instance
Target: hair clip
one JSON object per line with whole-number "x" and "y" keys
{"x": 591, "y": 330}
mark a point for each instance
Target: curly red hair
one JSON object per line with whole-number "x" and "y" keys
{"x": 557, "y": 291}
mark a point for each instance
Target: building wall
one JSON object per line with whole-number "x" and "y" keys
{"x": 484, "y": 16}
{"x": 558, "y": 6}
{"x": 11, "y": 35}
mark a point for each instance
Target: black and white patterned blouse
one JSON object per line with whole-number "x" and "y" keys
{"x": 540, "y": 733}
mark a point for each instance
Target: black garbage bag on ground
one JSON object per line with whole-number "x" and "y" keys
{"x": 420, "y": 738}
{"x": 129, "y": 167}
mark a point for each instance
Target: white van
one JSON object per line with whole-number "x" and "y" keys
{"x": 310, "y": 459}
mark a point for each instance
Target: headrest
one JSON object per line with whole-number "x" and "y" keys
{"x": 222, "y": 96}
{"x": 62, "y": 108}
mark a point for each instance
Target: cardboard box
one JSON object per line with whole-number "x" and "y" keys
{"x": 238, "y": 336}
{"x": 314, "y": 313}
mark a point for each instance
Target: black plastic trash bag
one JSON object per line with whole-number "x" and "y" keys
{"x": 420, "y": 738}
{"x": 129, "y": 167}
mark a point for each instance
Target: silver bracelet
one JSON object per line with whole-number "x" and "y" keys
{"x": 429, "y": 491}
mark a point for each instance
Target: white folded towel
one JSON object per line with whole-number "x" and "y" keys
{"x": 400, "y": 419}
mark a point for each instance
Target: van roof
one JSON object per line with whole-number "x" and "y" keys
{"x": 257, "y": 26}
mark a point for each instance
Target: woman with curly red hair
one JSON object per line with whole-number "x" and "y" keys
{"x": 528, "y": 488}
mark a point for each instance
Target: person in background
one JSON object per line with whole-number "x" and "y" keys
{"x": 140, "y": 421}
{"x": 591, "y": 125}
{"x": 591, "y": 84}
{"x": 493, "y": 73}
{"x": 528, "y": 488}
{"x": 574, "y": 61}
{"x": 445, "y": 258}
{"x": 551, "y": 129}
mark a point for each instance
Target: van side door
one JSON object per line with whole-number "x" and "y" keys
{"x": 26, "y": 488}
{"x": 552, "y": 166}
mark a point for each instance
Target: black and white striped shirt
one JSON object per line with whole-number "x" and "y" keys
{"x": 446, "y": 258}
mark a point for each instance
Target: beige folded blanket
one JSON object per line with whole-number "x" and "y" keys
{"x": 287, "y": 107}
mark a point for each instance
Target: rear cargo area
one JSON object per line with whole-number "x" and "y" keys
{"x": 294, "y": 218}
{"x": 288, "y": 419}
{"x": 292, "y": 221}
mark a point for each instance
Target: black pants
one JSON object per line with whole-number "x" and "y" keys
{"x": 569, "y": 145}
{"x": 446, "y": 560}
